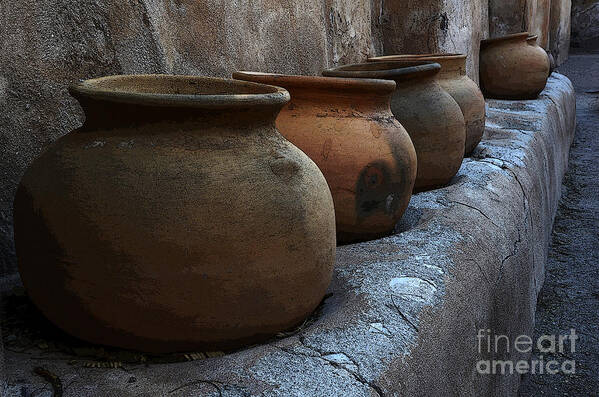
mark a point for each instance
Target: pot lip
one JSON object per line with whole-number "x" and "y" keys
{"x": 256, "y": 95}
{"x": 318, "y": 82}
{"x": 508, "y": 37}
{"x": 532, "y": 37}
{"x": 389, "y": 70}
{"x": 406, "y": 57}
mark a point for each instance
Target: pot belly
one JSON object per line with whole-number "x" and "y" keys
{"x": 369, "y": 164}
{"x": 163, "y": 248}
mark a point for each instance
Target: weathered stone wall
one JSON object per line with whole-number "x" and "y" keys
{"x": 416, "y": 27}
{"x": 585, "y": 23}
{"x": 509, "y": 16}
{"x": 542, "y": 22}
{"x": 559, "y": 39}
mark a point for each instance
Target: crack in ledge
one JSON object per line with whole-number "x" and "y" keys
{"x": 318, "y": 354}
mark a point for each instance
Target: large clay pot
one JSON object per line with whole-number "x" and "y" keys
{"x": 347, "y": 128}
{"x": 177, "y": 218}
{"x": 431, "y": 116}
{"x": 513, "y": 67}
{"x": 454, "y": 80}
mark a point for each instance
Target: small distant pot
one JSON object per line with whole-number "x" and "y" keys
{"x": 347, "y": 128}
{"x": 513, "y": 67}
{"x": 177, "y": 218}
{"x": 454, "y": 80}
{"x": 431, "y": 116}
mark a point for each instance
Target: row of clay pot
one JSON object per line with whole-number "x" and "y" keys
{"x": 346, "y": 127}
{"x": 453, "y": 79}
{"x": 329, "y": 117}
{"x": 431, "y": 116}
{"x": 514, "y": 67}
{"x": 179, "y": 218}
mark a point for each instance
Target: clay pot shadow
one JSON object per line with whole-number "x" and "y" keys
{"x": 26, "y": 330}
{"x": 409, "y": 221}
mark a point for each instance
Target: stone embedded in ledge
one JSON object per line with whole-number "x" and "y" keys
{"x": 405, "y": 309}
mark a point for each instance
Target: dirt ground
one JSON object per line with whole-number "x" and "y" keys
{"x": 570, "y": 296}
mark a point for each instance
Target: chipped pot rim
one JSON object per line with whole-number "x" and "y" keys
{"x": 424, "y": 57}
{"x": 509, "y": 37}
{"x": 165, "y": 90}
{"x": 389, "y": 70}
{"x": 288, "y": 81}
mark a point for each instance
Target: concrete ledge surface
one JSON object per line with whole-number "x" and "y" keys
{"x": 405, "y": 310}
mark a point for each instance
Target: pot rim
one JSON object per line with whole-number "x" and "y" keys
{"x": 115, "y": 89}
{"x": 402, "y": 57}
{"x": 508, "y": 37}
{"x": 389, "y": 70}
{"x": 318, "y": 82}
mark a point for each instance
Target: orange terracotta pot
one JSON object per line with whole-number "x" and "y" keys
{"x": 177, "y": 218}
{"x": 464, "y": 91}
{"x": 347, "y": 128}
{"x": 431, "y": 116}
{"x": 513, "y": 67}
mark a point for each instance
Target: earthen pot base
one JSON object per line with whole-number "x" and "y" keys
{"x": 345, "y": 238}
{"x": 434, "y": 186}
{"x": 28, "y": 324}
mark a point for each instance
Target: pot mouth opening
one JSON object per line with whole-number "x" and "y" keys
{"x": 179, "y": 91}
{"x": 514, "y": 36}
{"x": 390, "y": 70}
{"x": 423, "y": 57}
{"x": 334, "y": 84}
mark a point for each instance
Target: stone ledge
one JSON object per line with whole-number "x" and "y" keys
{"x": 406, "y": 309}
